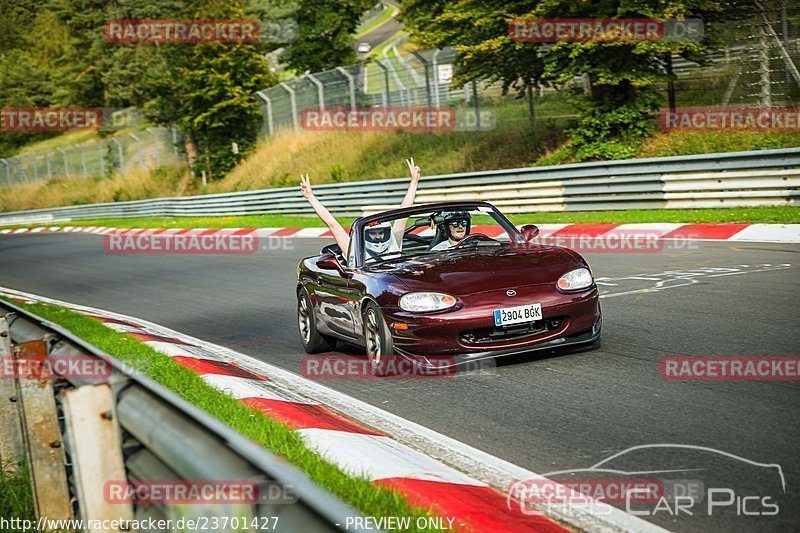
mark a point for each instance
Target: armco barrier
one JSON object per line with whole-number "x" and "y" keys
{"x": 766, "y": 177}
{"x": 78, "y": 434}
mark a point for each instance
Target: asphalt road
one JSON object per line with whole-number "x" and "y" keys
{"x": 546, "y": 412}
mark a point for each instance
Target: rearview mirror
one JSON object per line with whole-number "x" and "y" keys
{"x": 529, "y": 232}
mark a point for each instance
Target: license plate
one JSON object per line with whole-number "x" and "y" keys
{"x": 517, "y": 315}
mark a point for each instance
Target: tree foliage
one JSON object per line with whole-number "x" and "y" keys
{"x": 621, "y": 74}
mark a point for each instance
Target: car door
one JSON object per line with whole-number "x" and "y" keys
{"x": 335, "y": 301}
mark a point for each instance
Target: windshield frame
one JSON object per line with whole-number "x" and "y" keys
{"x": 409, "y": 212}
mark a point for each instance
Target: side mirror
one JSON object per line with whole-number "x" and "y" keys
{"x": 328, "y": 261}
{"x": 529, "y": 232}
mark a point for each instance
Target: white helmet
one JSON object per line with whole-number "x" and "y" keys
{"x": 378, "y": 238}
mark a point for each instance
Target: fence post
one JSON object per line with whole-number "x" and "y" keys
{"x": 385, "y": 98}
{"x": 8, "y": 171}
{"x": 157, "y": 147}
{"x": 83, "y": 160}
{"x": 320, "y": 91}
{"x": 175, "y": 140}
{"x": 11, "y": 450}
{"x": 119, "y": 151}
{"x": 352, "y": 83}
{"x": 35, "y": 170}
{"x": 268, "y": 101}
{"x": 765, "y": 84}
{"x": 436, "y": 77}
{"x": 66, "y": 164}
{"x": 428, "y": 95}
{"x": 43, "y": 436}
{"x": 293, "y": 103}
{"x": 138, "y": 149}
{"x": 476, "y": 105}
{"x": 47, "y": 164}
{"x": 101, "y": 153}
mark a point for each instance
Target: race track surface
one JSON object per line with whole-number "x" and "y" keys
{"x": 546, "y": 412}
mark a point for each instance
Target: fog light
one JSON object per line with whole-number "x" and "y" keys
{"x": 554, "y": 323}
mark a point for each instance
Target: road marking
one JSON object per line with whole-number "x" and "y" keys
{"x": 671, "y": 279}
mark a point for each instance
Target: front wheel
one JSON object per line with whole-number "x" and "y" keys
{"x": 313, "y": 340}
{"x": 380, "y": 349}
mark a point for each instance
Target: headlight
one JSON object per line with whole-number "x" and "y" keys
{"x": 574, "y": 280}
{"x": 420, "y": 302}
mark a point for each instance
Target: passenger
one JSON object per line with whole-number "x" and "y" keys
{"x": 340, "y": 235}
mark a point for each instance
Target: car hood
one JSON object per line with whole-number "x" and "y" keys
{"x": 464, "y": 272}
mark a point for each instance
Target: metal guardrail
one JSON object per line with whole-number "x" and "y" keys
{"x": 147, "y": 431}
{"x": 766, "y": 177}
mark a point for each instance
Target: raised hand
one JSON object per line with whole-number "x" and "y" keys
{"x": 413, "y": 169}
{"x": 305, "y": 186}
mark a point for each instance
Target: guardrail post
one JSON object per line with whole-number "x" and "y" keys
{"x": 351, "y": 83}
{"x": 385, "y": 98}
{"x": 66, "y": 164}
{"x": 268, "y": 101}
{"x": 293, "y": 102}
{"x": 95, "y": 447}
{"x": 320, "y": 91}
{"x": 42, "y": 434}
{"x": 83, "y": 160}
{"x": 11, "y": 450}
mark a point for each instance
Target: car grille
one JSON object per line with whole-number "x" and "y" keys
{"x": 495, "y": 334}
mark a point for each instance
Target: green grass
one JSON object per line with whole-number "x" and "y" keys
{"x": 16, "y": 495}
{"x": 763, "y": 215}
{"x": 361, "y": 493}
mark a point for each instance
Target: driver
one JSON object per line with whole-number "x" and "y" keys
{"x": 455, "y": 225}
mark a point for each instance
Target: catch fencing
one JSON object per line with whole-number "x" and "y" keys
{"x": 768, "y": 177}
{"x": 150, "y": 148}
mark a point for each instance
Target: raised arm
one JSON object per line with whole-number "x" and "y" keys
{"x": 339, "y": 234}
{"x": 399, "y": 225}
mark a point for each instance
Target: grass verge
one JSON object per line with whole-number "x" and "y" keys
{"x": 762, "y": 215}
{"x": 361, "y": 493}
{"x": 16, "y": 496}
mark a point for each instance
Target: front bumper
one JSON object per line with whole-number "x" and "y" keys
{"x": 446, "y": 338}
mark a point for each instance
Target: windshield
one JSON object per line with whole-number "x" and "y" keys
{"x": 434, "y": 232}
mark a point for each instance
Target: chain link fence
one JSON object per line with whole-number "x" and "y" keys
{"x": 148, "y": 148}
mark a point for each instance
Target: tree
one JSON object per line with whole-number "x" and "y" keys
{"x": 622, "y": 74}
{"x": 325, "y": 29}
{"x": 480, "y": 31}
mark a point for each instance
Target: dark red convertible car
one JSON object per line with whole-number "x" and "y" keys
{"x": 454, "y": 281}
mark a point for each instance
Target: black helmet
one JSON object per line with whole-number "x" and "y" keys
{"x": 456, "y": 216}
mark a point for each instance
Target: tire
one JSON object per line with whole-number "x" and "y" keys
{"x": 378, "y": 340}
{"x": 313, "y": 340}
